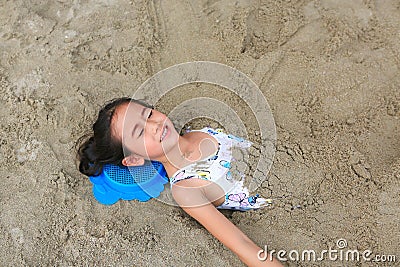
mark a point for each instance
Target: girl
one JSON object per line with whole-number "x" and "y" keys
{"x": 197, "y": 163}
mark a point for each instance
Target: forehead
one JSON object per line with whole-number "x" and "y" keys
{"x": 128, "y": 112}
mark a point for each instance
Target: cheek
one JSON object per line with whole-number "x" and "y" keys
{"x": 152, "y": 146}
{"x": 132, "y": 147}
{"x": 135, "y": 145}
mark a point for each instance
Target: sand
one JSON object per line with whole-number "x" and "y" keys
{"x": 329, "y": 70}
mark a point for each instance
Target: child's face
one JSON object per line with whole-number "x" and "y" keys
{"x": 142, "y": 131}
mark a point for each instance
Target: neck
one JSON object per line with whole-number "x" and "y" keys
{"x": 178, "y": 157}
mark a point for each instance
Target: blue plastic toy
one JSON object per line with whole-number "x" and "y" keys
{"x": 129, "y": 183}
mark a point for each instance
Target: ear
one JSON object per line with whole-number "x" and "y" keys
{"x": 133, "y": 160}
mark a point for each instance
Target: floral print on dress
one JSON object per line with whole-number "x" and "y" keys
{"x": 217, "y": 168}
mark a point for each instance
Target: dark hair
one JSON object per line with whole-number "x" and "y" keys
{"x": 100, "y": 147}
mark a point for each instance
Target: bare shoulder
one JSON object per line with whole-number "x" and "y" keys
{"x": 197, "y": 137}
{"x": 191, "y": 198}
{"x": 201, "y": 191}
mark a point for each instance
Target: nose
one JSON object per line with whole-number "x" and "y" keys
{"x": 152, "y": 126}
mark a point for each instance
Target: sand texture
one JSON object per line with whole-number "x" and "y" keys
{"x": 329, "y": 70}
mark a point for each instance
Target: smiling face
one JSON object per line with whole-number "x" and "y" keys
{"x": 146, "y": 133}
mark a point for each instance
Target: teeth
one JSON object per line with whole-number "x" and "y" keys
{"x": 164, "y": 133}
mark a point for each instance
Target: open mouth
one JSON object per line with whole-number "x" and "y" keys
{"x": 164, "y": 133}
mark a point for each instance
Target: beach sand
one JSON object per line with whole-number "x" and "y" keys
{"x": 330, "y": 73}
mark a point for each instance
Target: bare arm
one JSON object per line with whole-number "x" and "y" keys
{"x": 219, "y": 226}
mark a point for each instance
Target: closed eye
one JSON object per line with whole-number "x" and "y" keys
{"x": 150, "y": 113}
